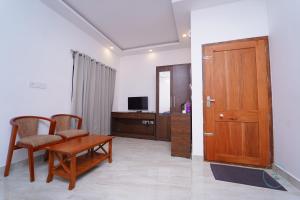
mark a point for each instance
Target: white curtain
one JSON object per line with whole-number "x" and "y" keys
{"x": 93, "y": 93}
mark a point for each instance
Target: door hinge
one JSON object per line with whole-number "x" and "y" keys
{"x": 209, "y": 134}
{"x": 207, "y": 57}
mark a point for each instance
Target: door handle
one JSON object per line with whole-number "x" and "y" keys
{"x": 209, "y": 134}
{"x": 209, "y": 100}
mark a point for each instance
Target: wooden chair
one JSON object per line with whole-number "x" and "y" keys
{"x": 26, "y": 127}
{"x": 64, "y": 127}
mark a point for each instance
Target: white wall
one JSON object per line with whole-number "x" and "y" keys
{"x": 232, "y": 21}
{"x": 35, "y": 46}
{"x": 138, "y": 74}
{"x": 284, "y": 24}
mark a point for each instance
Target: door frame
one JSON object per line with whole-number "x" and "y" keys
{"x": 270, "y": 109}
{"x": 162, "y": 69}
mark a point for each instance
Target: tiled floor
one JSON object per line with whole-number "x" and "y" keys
{"x": 142, "y": 170}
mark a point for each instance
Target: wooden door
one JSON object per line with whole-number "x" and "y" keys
{"x": 181, "y": 91}
{"x": 237, "y": 102}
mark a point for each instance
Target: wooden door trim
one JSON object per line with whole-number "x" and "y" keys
{"x": 265, "y": 38}
{"x": 269, "y": 94}
{"x": 270, "y": 99}
{"x": 161, "y": 69}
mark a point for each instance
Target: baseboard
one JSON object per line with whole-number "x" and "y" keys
{"x": 293, "y": 180}
{"x": 196, "y": 157}
{"x": 38, "y": 158}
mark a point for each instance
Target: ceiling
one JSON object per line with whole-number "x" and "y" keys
{"x": 133, "y": 26}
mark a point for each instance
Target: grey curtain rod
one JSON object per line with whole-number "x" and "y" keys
{"x": 82, "y": 54}
{"x": 74, "y": 51}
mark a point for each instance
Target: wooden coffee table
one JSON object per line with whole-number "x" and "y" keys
{"x": 70, "y": 165}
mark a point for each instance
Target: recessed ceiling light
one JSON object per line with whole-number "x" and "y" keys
{"x": 150, "y": 50}
{"x": 184, "y": 35}
{"x": 111, "y": 47}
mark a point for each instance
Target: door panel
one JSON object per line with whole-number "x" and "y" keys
{"x": 229, "y": 141}
{"x": 237, "y": 81}
{"x": 180, "y": 86}
{"x": 163, "y": 128}
{"x": 251, "y": 141}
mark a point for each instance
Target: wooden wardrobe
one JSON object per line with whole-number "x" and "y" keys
{"x": 173, "y": 89}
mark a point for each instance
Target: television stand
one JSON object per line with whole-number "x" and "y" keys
{"x": 133, "y": 124}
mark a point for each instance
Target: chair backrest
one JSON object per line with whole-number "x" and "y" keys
{"x": 66, "y": 122}
{"x": 27, "y": 126}
{"x": 63, "y": 122}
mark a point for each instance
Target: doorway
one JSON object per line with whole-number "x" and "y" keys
{"x": 237, "y": 102}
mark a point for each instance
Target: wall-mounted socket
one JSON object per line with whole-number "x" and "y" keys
{"x": 147, "y": 122}
{"x": 38, "y": 85}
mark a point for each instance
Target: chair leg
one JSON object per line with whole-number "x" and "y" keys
{"x": 46, "y": 155}
{"x": 8, "y": 159}
{"x": 31, "y": 164}
{"x": 11, "y": 149}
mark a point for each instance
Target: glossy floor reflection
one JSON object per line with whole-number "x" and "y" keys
{"x": 142, "y": 170}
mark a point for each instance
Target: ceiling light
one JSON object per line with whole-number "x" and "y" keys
{"x": 184, "y": 35}
{"x": 111, "y": 47}
{"x": 150, "y": 50}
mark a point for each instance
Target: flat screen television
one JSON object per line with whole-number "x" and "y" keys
{"x": 137, "y": 103}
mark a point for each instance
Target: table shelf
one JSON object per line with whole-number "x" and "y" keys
{"x": 83, "y": 163}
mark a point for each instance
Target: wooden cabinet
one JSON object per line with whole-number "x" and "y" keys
{"x": 181, "y": 135}
{"x": 136, "y": 125}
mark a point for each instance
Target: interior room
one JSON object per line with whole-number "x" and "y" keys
{"x": 149, "y": 99}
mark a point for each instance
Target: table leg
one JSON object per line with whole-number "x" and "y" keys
{"x": 50, "y": 166}
{"x": 92, "y": 151}
{"x": 110, "y": 151}
{"x": 73, "y": 173}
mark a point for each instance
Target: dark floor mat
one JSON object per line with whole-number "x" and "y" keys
{"x": 247, "y": 176}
